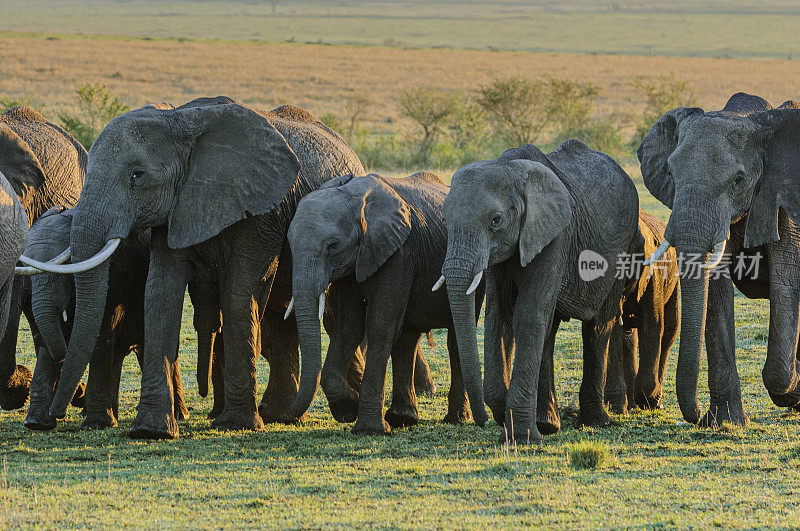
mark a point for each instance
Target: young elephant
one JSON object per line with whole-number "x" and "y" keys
{"x": 649, "y": 324}
{"x": 379, "y": 243}
{"x": 122, "y": 330}
{"x": 530, "y": 220}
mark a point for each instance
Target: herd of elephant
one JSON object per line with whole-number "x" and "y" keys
{"x": 272, "y": 224}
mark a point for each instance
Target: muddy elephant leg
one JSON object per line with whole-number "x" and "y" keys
{"x": 218, "y": 376}
{"x": 723, "y": 376}
{"x": 42, "y": 392}
{"x": 457, "y": 403}
{"x": 621, "y": 347}
{"x": 284, "y": 370}
{"x": 15, "y": 380}
{"x": 343, "y": 371}
{"x": 423, "y": 381}
{"x": 548, "y": 420}
{"x": 179, "y": 408}
{"x": 403, "y": 410}
{"x": 596, "y": 338}
{"x": 164, "y": 293}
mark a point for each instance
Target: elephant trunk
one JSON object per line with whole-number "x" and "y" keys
{"x": 306, "y": 307}
{"x": 90, "y": 299}
{"x": 48, "y": 319}
{"x": 694, "y": 298}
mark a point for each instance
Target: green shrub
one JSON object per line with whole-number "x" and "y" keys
{"x": 96, "y": 107}
{"x": 332, "y": 121}
{"x": 431, "y": 109}
{"x": 602, "y": 134}
{"x": 660, "y": 97}
{"x": 10, "y": 103}
{"x": 518, "y": 108}
{"x": 589, "y": 455}
{"x": 356, "y": 105}
{"x": 569, "y": 105}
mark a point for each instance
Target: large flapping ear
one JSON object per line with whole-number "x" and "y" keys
{"x": 385, "y": 222}
{"x": 19, "y": 164}
{"x": 655, "y": 149}
{"x": 779, "y": 185}
{"x": 548, "y": 208}
{"x": 239, "y": 165}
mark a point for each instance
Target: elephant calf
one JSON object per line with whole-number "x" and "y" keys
{"x": 650, "y": 321}
{"x": 379, "y": 243}
{"x": 122, "y": 330}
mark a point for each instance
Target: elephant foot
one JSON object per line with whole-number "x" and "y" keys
{"x": 15, "y": 393}
{"x": 153, "y": 425}
{"x": 231, "y": 420}
{"x": 530, "y": 436}
{"x": 180, "y": 411}
{"x": 271, "y": 414}
{"x": 457, "y": 415}
{"x": 648, "y": 401}
{"x": 371, "y": 427}
{"x": 425, "y": 387}
{"x": 595, "y": 417}
{"x": 215, "y": 412}
{"x": 791, "y": 400}
{"x": 344, "y": 410}
{"x": 402, "y": 417}
{"x": 549, "y": 424}
{"x": 40, "y": 421}
{"x": 79, "y": 398}
{"x": 719, "y": 413}
{"x": 99, "y": 420}
{"x": 617, "y": 404}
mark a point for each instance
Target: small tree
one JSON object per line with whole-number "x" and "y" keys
{"x": 469, "y": 130}
{"x": 356, "y": 105}
{"x": 97, "y": 106}
{"x": 518, "y": 107}
{"x": 431, "y": 109}
{"x": 660, "y": 97}
{"x": 570, "y": 104}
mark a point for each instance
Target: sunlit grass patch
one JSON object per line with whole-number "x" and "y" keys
{"x": 588, "y": 454}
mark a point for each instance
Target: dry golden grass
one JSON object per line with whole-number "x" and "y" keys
{"x": 316, "y": 76}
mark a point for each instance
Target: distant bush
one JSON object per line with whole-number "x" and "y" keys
{"x": 517, "y": 107}
{"x": 470, "y": 133}
{"x": 356, "y": 105}
{"x": 332, "y": 120}
{"x": 10, "y": 103}
{"x": 660, "y": 97}
{"x": 97, "y": 106}
{"x": 569, "y": 104}
{"x": 431, "y": 109}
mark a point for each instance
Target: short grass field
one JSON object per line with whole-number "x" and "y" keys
{"x": 654, "y": 470}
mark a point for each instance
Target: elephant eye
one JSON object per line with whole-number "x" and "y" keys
{"x": 739, "y": 179}
{"x": 134, "y": 177}
{"x": 332, "y": 246}
{"x": 497, "y": 220}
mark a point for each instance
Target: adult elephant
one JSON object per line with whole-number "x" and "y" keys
{"x": 45, "y": 167}
{"x": 527, "y": 218}
{"x": 730, "y": 178}
{"x": 13, "y": 237}
{"x": 218, "y": 184}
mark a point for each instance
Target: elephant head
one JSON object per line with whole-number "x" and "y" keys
{"x": 712, "y": 169}
{"x": 351, "y": 225}
{"x": 193, "y": 170}
{"x": 496, "y": 210}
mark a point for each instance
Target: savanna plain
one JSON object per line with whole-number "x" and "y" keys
{"x": 651, "y": 470}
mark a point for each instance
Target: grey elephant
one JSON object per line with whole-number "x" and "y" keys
{"x": 648, "y": 326}
{"x": 526, "y": 219}
{"x": 379, "y": 244}
{"x": 45, "y": 166}
{"x": 121, "y": 332}
{"x": 13, "y": 237}
{"x": 218, "y": 184}
{"x": 729, "y": 177}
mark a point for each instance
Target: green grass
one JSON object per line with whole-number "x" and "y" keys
{"x": 682, "y": 28}
{"x": 664, "y": 473}
{"x": 590, "y": 454}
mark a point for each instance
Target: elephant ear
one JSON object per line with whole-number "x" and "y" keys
{"x": 19, "y": 164}
{"x": 548, "y": 208}
{"x": 336, "y": 182}
{"x": 655, "y": 149}
{"x": 779, "y": 185}
{"x": 239, "y": 165}
{"x": 385, "y": 224}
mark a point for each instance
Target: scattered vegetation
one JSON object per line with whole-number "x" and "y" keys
{"x": 96, "y": 107}
{"x": 660, "y": 96}
{"x": 589, "y": 454}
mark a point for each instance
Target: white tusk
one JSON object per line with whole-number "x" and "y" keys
{"x": 289, "y": 309}
{"x": 64, "y": 315}
{"x": 28, "y": 270}
{"x": 321, "y": 304}
{"x": 68, "y": 269}
{"x": 716, "y": 257}
{"x": 475, "y": 281}
{"x": 438, "y": 283}
{"x": 656, "y": 256}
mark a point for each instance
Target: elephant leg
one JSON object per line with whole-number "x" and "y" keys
{"x": 164, "y": 295}
{"x": 630, "y": 363}
{"x": 547, "y": 419}
{"x": 457, "y": 403}
{"x": 596, "y": 338}
{"x": 780, "y": 372}
{"x": 218, "y": 376}
{"x": 179, "y": 408}
{"x": 423, "y": 381}
{"x": 343, "y": 371}
{"x": 499, "y": 348}
{"x": 672, "y": 321}
{"x": 651, "y": 333}
{"x": 42, "y": 391}
{"x": 723, "y": 376}
{"x": 616, "y": 391}
{"x": 403, "y": 410}
{"x": 101, "y": 387}
{"x": 284, "y": 370}
{"x": 15, "y": 380}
